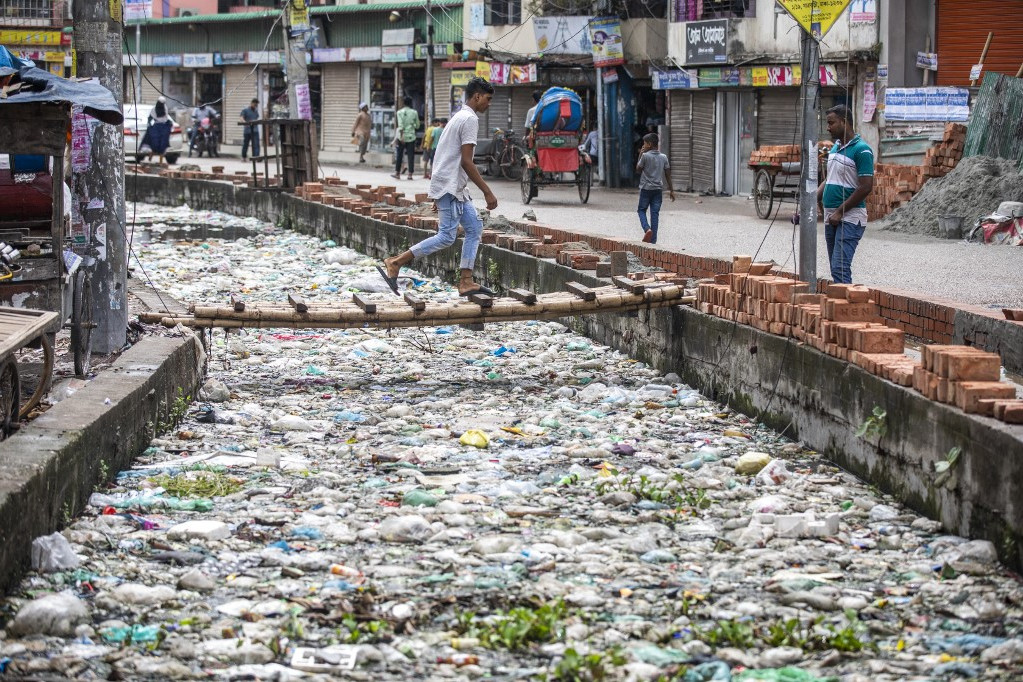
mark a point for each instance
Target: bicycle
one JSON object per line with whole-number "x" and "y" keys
{"x": 506, "y": 153}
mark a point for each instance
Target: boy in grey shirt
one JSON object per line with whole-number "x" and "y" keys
{"x": 654, "y": 174}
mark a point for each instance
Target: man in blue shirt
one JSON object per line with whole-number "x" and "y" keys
{"x": 843, "y": 193}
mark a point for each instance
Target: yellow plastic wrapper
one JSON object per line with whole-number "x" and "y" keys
{"x": 475, "y": 438}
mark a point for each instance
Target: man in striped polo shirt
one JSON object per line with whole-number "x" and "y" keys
{"x": 844, "y": 192}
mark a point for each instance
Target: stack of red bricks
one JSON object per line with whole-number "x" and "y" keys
{"x": 895, "y": 184}
{"x": 775, "y": 155}
{"x": 970, "y": 379}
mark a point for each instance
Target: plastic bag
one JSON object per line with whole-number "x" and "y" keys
{"x": 51, "y": 553}
{"x": 475, "y": 438}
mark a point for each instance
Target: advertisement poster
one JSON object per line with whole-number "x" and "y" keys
{"x": 562, "y": 35}
{"x": 927, "y": 60}
{"x": 869, "y": 101}
{"x": 477, "y": 28}
{"x": 863, "y": 11}
{"x": 81, "y": 141}
{"x": 927, "y": 104}
{"x": 499, "y": 73}
{"x": 606, "y": 36}
{"x": 305, "y": 108}
{"x": 680, "y": 79}
{"x": 523, "y": 73}
{"x": 706, "y": 41}
{"x": 135, "y": 10}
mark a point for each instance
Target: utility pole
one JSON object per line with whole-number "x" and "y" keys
{"x": 296, "y": 26}
{"x": 808, "y": 173}
{"x": 98, "y": 39}
{"x": 430, "y": 105}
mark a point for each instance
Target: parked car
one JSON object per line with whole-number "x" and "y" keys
{"x": 136, "y": 120}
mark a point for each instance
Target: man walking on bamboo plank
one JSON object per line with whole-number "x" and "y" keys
{"x": 452, "y": 170}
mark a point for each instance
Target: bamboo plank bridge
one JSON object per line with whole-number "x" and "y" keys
{"x": 360, "y": 311}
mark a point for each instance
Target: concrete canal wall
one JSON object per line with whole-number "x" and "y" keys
{"x": 791, "y": 387}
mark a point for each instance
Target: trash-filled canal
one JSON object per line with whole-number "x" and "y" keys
{"x": 517, "y": 503}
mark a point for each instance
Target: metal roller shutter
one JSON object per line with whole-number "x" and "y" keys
{"x": 681, "y": 139}
{"x": 778, "y": 116}
{"x": 441, "y": 92}
{"x": 963, "y": 26}
{"x": 152, "y": 83}
{"x": 497, "y": 114}
{"x": 238, "y": 93}
{"x": 703, "y": 140}
{"x": 522, "y": 101}
{"x": 340, "y": 83}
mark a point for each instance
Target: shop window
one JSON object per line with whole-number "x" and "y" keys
{"x": 502, "y": 12}
{"x": 696, "y": 10}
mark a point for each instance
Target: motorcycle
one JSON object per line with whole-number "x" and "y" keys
{"x": 206, "y": 137}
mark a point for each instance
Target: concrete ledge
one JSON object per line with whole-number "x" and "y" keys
{"x": 50, "y": 467}
{"x": 789, "y": 386}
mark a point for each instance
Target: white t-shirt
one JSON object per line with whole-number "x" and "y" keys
{"x": 448, "y": 175}
{"x": 529, "y": 116}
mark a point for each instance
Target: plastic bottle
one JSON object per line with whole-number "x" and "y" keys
{"x": 462, "y": 643}
{"x": 459, "y": 659}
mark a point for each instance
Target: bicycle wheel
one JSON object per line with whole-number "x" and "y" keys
{"x": 584, "y": 179}
{"x": 763, "y": 194}
{"x": 511, "y": 162}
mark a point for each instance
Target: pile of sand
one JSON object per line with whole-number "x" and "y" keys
{"x": 973, "y": 189}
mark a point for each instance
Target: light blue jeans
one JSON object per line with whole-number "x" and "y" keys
{"x": 842, "y": 242}
{"x": 453, "y": 213}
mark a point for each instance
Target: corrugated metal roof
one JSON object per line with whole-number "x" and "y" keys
{"x": 365, "y": 29}
{"x": 242, "y": 37}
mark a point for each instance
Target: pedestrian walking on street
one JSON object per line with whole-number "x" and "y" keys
{"x": 655, "y": 173}
{"x": 430, "y": 139}
{"x": 407, "y": 123}
{"x": 850, "y": 179}
{"x": 361, "y": 129}
{"x": 158, "y": 130}
{"x": 251, "y": 130}
{"x": 452, "y": 170}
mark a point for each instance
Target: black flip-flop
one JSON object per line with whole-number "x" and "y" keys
{"x": 391, "y": 281}
{"x": 481, "y": 290}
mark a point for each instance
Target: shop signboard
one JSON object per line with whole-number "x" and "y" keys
{"x": 723, "y": 77}
{"x": 863, "y": 11}
{"x": 227, "y": 58}
{"x": 364, "y": 54}
{"x": 265, "y": 57}
{"x": 706, "y": 41}
{"x": 461, "y": 78}
{"x": 137, "y": 10}
{"x": 606, "y": 37}
{"x": 927, "y": 104}
{"x": 202, "y": 60}
{"x": 166, "y": 60}
{"x": 324, "y": 55}
{"x": 760, "y": 77}
{"x": 677, "y": 79}
{"x": 396, "y": 53}
{"x": 562, "y": 35}
{"x": 440, "y": 50}
{"x": 30, "y": 37}
{"x": 398, "y": 36}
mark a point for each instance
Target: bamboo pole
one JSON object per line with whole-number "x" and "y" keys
{"x": 983, "y": 54}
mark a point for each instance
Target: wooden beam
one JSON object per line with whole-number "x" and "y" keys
{"x": 482, "y": 300}
{"x": 417, "y": 303}
{"x": 629, "y": 285}
{"x": 527, "y": 297}
{"x": 298, "y": 303}
{"x": 585, "y": 293}
{"x": 238, "y": 304}
{"x": 368, "y": 307}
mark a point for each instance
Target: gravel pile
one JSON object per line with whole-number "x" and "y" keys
{"x": 973, "y": 189}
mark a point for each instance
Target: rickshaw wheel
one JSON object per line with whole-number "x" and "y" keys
{"x": 526, "y": 184}
{"x": 81, "y": 323}
{"x": 763, "y": 194}
{"x": 584, "y": 179}
{"x": 10, "y": 395}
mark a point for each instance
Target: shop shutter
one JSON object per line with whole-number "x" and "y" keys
{"x": 152, "y": 83}
{"x": 963, "y": 26}
{"x": 681, "y": 139}
{"x": 238, "y": 93}
{"x": 441, "y": 92}
{"x": 778, "y": 114}
{"x": 703, "y": 141}
{"x": 340, "y": 84}
{"x": 497, "y": 114}
{"x": 522, "y": 102}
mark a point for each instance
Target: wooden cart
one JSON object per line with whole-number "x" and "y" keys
{"x": 20, "y": 328}
{"x": 774, "y": 182}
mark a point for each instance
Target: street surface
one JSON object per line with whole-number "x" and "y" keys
{"x": 710, "y": 226}
{"x": 512, "y": 504}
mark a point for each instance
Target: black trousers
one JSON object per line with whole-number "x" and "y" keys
{"x": 403, "y": 149}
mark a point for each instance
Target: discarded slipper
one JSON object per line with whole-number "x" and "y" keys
{"x": 391, "y": 281}
{"x": 481, "y": 290}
